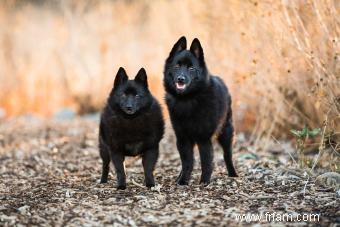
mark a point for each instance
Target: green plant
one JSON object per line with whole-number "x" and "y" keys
{"x": 302, "y": 137}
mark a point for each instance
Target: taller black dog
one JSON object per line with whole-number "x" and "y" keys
{"x": 200, "y": 106}
{"x": 131, "y": 124}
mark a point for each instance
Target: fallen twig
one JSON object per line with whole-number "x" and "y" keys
{"x": 137, "y": 184}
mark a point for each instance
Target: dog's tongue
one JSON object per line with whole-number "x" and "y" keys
{"x": 180, "y": 86}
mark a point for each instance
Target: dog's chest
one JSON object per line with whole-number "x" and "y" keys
{"x": 186, "y": 108}
{"x": 133, "y": 149}
{"x": 196, "y": 118}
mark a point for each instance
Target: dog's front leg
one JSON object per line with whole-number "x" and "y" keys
{"x": 118, "y": 162}
{"x": 206, "y": 155}
{"x": 185, "y": 148}
{"x": 149, "y": 162}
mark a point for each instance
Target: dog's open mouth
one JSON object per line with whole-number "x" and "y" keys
{"x": 129, "y": 112}
{"x": 180, "y": 86}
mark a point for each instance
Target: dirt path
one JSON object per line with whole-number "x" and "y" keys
{"x": 49, "y": 173}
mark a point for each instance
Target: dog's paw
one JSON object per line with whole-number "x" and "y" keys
{"x": 150, "y": 185}
{"x": 149, "y": 182}
{"x": 121, "y": 187}
{"x": 182, "y": 181}
{"x": 205, "y": 182}
{"x": 233, "y": 174}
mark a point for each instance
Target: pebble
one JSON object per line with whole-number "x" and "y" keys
{"x": 330, "y": 179}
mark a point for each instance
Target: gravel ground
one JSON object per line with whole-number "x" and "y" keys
{"x": 49, "y": 172}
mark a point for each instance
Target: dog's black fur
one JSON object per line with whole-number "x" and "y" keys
{"x": 131, "y": 124}
{"x": 199, "y": 105}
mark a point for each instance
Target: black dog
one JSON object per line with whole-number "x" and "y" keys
{"x": 131, "y": 124}
{"x": 200, "y": 106}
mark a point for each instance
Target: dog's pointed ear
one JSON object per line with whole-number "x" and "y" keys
{"x": 180, "y": 45}
{"x": 121, "y": 77}
{"x": 197, "y": 49}
{"x": 142, "y": 78}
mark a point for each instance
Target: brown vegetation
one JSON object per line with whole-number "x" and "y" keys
{"x": 280, "y": 59}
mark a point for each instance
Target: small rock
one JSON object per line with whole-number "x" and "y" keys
{"x": 241, "y": 138}
{"x": 109, "y": 201}
{"x": 131, "y": 222}
{"x": 219, "y": 182}
{"x": 290, "y": 173}
{"x": 156, "y": 188}
{"x": 68, "y": 194}
{"x": 71, "y": 167}
{"x": 248, "y": 155}
{"x": 149, "y": 218}
{"x": 276, "y": 149}
{"x": 64, "y": 114}
{"x": 8, "y": 219}
{"x": 330, "y": 179}
{"x": 23, "y": 209}
{"x": 92, "y": 116}
{"x": 2, "y": 113}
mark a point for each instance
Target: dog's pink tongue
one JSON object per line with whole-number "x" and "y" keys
{"x": 180, "y": 86}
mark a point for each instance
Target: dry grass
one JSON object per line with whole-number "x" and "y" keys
{"x": 280, "y": 59}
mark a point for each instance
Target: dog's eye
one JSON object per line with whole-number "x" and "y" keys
{"x": 123, "y": 95}
{"x": 176, "y": 66}
{"x": 191, "y": 68}
{"x": 137, "y": 96}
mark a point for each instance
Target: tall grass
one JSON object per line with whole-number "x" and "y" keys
{"x": 280, "y": 59}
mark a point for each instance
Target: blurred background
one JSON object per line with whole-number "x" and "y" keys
{"x": 280, "y": 59}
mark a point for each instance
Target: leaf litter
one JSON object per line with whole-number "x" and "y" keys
{"x": 50, "y": 170}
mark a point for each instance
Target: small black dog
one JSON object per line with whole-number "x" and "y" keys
{"x": 131, "y": 124}
{"x": 199, "y": 105}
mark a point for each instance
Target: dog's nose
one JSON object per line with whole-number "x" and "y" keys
{"x": 181, "y": 79}
{"x": 129, "y": 108}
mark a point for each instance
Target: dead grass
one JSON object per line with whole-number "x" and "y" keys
{"x": 280, "y": 59}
